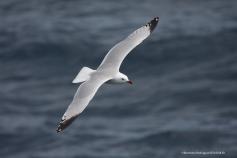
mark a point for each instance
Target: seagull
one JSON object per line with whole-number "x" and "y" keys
{"x": 107, "y": 72}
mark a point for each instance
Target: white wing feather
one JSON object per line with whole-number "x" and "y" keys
{"x": 83, "y": 96}
{"x": 116, "y": 55}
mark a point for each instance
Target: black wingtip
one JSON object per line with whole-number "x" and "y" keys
{"x": 153, "y": 23}
{"x": 65, "y": 123}
{"x": 60, "y": 126}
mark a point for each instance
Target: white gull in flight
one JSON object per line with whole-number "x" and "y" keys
{"x": 107, "y": 72}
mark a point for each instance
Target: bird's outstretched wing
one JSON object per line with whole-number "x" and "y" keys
{"x": 83, "y": 96}
{"x": 116, "y": 55}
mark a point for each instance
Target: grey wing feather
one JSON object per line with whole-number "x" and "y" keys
{"x": 83, "y": 96}
{"x": 116, "y": 55}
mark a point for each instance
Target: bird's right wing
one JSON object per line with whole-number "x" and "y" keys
{"x": 83, "y": 96}
{"x": 116, "y": 55}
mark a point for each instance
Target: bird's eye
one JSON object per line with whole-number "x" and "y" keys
{"x": 123, "y": 79}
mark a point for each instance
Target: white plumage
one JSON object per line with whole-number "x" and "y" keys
{"x": 107, "y": 72}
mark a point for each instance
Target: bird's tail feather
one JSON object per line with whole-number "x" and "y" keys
{"x": 83, "y": 75}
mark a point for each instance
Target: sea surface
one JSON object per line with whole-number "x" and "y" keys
{"x": 184, "y": 96}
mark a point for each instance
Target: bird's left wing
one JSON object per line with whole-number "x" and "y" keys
{"x": 83, "y": 96}
{"x": 115, "y": 56}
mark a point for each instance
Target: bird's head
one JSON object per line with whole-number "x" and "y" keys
{"x": 122, "y": 78}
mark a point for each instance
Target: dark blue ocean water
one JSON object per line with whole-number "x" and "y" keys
{"x": 184, "y": 95}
